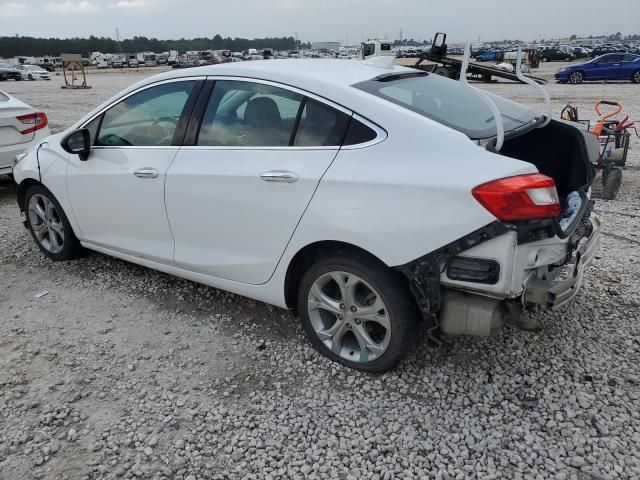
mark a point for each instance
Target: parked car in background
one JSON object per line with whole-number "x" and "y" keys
{"x": 556, "y": 54}
{"x": 133, "y": 63}
{"x": 490, "y": 56}
{"x": 21, "y": 127}
{"x": 596, "y": 52}
{"x": 613, "y": 66}
{"x": 33, "y": 72}
{"x": 9, "y": 72}
{"x": 580, "y": 52}
{"x": 185, "y": 64}
{"x": 273, "y": 180}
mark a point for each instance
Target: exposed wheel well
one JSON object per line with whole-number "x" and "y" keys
{"x": 308, "y": 255}
{"x": 22, "y": 190}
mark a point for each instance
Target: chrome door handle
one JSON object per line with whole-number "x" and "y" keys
{"x": 146, "y": 173}
{"x": 281, "y": 177}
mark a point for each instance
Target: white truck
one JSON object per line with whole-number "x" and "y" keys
{"x": 173, "y": 57}
{"x": 375, "y": 48}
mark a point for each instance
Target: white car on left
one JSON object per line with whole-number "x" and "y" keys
{"x": 21, "y": 127}
{"x": 33, "y": 72}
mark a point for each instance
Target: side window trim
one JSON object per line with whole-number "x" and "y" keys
{"x": 195, "y": 122}
{"x": 296, "y": 124}
{"x": 187, "y": 112}
{"x": 193, "y": 128}
{"x": 101, "y": 113}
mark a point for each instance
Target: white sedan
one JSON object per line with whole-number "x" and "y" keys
{"x": 33, "y": 72}
{"x": 21, "y": 127}
{"x": 364, "y": 198}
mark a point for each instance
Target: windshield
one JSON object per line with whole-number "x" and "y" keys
{"x": 448, "y": 102}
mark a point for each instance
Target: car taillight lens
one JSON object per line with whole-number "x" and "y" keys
{"x": 524, "y": 197}
{"x": 33, "y": 122}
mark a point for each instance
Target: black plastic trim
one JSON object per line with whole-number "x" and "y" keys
{"x": 187, "y": 111}
{"x": 193, "y": 127}
{"x": 424, "y": 272}
{"x": 473, "y": 270}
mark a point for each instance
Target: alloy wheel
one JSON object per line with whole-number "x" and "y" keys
{"x": 349, "y": 316}
{"x": 576, "y": 77}
{"x": 46, "y": 223}
{"x": 636, "y": 77}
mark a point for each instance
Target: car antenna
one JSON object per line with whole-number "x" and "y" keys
{"x": 484, "y": 96}
{"x": 537, "y": 86}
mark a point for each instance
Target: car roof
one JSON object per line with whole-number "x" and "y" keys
{"x": 295, "y": 72}
{"x": 328, "y": 78}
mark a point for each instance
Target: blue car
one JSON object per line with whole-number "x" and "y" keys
{"x": 612, "y": 66}
{"x": 489, "y": 56}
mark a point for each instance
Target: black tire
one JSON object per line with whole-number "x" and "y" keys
{"x": 71, "y": 247}
{"x": 392, "y": 290}
{"x": 611, "y": 181}
{"x": 31, "y": 77}
{"x": 636, "y": 77}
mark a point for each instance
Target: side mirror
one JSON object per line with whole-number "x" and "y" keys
{"x": 78, "y": 143}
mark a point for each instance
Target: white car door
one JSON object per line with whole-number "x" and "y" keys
{"x": 117, "y": 195}
{"x": 235, "y": 196}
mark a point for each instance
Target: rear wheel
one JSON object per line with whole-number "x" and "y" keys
{"x": 49, "y": 225}
{"x": 567, "y": 59}
{"x": 357, "y": 312}
{"x": 576, "y": 78}
{"x": 636, "y": 77}
{"x": 611, "y": 181}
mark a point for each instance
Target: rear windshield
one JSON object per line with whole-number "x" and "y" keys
{"x": 448, "y": 102}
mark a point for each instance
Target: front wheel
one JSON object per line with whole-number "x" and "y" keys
{"x": 31, "y": 77}
{"x": 636, "y": 77}
{"x": 49, "y": 225}
{"x": 545, "y": 59}
{"x": 357, "y": 312}
{"x": 576, "y": 78}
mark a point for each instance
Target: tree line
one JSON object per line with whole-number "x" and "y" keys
{"x": 35, "y": 47}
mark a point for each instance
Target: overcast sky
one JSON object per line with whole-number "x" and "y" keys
{"x": 320, "y": 20}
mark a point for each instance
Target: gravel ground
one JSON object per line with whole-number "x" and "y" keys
{"x": 123, "y": 372}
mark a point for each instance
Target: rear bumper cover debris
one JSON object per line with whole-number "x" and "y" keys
{"x": 553, "y": 293}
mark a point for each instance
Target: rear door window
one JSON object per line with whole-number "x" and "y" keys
{"x": 320, "y": 126}
{"x": 247, "y": 114}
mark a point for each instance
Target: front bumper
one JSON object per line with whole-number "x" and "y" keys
{"x": 562, "y": 76}
{"x": 553, "y": 293}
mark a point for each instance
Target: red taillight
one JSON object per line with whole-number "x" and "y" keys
{"x": 525, "y": 197}
{"x": 33, "y": 122}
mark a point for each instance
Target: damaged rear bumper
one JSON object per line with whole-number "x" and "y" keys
{"x": 556, "y": 291}
{"x": 501, "y": 270}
